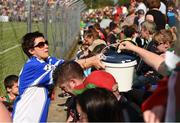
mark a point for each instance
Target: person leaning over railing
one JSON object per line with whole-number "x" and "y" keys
{"x": 35, "y": 79}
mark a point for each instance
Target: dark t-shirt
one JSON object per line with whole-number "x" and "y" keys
{"x": 129, "y": 111}
{"x": 111, "y": 38}
{"x": 159, "y": 18}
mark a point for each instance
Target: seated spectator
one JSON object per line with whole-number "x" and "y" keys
{"x": 141, "y": 5}
{"x": 163, "y": 40}
{"x": 90, "y": 41}
{"x": 70, "y": 77}
{"x": 130, "y": 33}
{"x": 129, "y": 20}
{"x": 101, "y": 33}
{"x": 113, "y": 34}
{"x": 148, "y": 29}
{"x": 11, "y": 85}
{"x": 172, "y": 14}
{"x": 169, "y": 89}
{"x": 155, "y": 15}
{"x": 82, "y": 52}
{"x": 139, "y": 18}
{"x": 98, "y": 105}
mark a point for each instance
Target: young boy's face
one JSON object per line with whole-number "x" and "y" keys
{"x": 14, "y": 89}
{"x": 144, "y": 33}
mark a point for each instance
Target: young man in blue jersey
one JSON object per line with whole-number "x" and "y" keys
{"x": 35, "y": 79}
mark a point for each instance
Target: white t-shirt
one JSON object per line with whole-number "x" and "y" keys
{"x": 162, "y": 8}
{"x": 142, "y": 6}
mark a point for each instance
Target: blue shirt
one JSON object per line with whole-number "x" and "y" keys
{"x": 33, "y": 102}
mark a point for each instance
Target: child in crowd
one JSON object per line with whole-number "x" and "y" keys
{"x": 163, "y": 40}
{"x": 11, "y": 86}
{"x": 100, "y": 106}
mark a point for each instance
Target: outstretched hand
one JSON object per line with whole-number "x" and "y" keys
{"x": 97, "y": 62}
{"x": 126, "y": 45}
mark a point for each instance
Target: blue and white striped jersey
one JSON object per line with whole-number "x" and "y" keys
{"x": 33, "y": 102}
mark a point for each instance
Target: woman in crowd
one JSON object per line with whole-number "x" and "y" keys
{"x": 164, "y": 40}
{"x": 100, "y": 106}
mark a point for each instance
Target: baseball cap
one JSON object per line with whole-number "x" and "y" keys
{"x": 101, "y": 79}
{"x": 96, "y": 43}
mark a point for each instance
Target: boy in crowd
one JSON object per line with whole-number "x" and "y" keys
{"x": 70, "y": 77}
{"x": 11, "y": 85}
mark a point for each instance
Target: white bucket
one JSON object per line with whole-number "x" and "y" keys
{"x": 123, "y": 73}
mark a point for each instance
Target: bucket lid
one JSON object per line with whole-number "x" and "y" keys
{"x": 114, "y": 57}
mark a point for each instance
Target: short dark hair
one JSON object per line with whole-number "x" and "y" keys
{"x": 97, "y": 26}
{"x": 28, "y": 41}
{"x": 112, "y": 26}
{"x": 129, "y": 31}
{"x": 88, "y": 34}
{"x": 153, "y": 4}
{"x": 66, "y": 71}
{"x": 10, "y": 80}
{"x": 99, "y": 104}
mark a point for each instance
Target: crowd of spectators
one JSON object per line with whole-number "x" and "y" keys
{"x": 145, "y": 29}
{"x": 17, "y": 10}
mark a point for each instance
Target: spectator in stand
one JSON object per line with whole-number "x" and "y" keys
{"x": 164, "y": 40}
{"x": 101, "y": 33}
{"x": 11, "y": 85}
{"x": 35, "y": 79}
{"x": 129, "y": 20}
{"x": 70, "y": 77}
{"x": 139, "y": 19}
{"x": 167, "y": 92}
{"x": 113, "y": 34}
{"x": 146, "y": 74}
{"x": 117, "y": 13}
{"x": 155, "y": 15}
{"x": 172, "y": 14}
{"x": 91, "y": 39}
{"x": 141, "y": 5}
{"x": 163, "y": 7}
{"x": 148, "y": 29}
{"x": 100, "y": 106}
{"x": 130, "y": 33}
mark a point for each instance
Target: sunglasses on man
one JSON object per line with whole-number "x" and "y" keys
{"x": 41, "y": 44}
